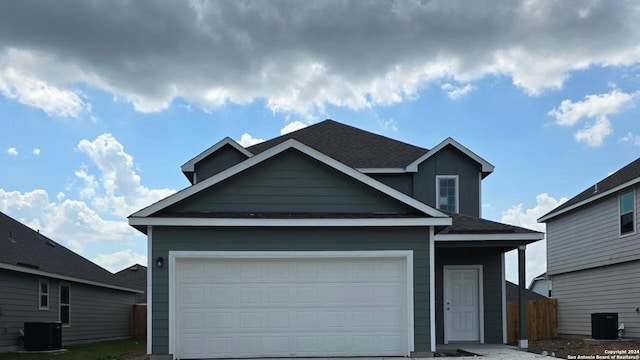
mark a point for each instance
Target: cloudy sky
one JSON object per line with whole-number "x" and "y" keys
{"x": 102, "y": 101}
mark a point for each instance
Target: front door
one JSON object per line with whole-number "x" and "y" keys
{"x": 462, "y": 320}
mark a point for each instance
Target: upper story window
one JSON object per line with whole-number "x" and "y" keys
{"x": 627, "y": 212}
{"x": 43, "y": 294}
{"x": 447, "y": 192}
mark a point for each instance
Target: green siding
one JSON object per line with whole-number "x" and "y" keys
{"x": 450, "y": 161}
{"x": 491, "y": 261}
{"x": 224, "y": 158}
{"x": 290, "y": 182}
{"x": 401, "y": 182}
{"x": 291, "y": 239}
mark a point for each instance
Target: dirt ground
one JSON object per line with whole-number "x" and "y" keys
{"x": 561, "y": 348}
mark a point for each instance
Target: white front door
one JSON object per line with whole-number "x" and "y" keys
{"x": 462, "y": 298}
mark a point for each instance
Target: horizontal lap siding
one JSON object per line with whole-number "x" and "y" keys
{"x": 290, "y": 182}
{"x": 590, "y": 237}
{"x": 291, "y": 239}
{"x": 613, "y": 288}
{"x": 19, "y": 301}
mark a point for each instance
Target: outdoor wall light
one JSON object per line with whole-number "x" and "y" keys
{"x": 160, "y": 261}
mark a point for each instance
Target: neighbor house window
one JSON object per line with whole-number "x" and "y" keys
{"x": 627, "y": 213}
{"x": 447, "y": 193}
{"x": 43, "y": 294}
{"x": 65, "y": 305}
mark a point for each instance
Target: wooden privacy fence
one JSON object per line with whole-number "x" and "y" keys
{"x": 139, "y": 321}
{"x": 542, "y": 320}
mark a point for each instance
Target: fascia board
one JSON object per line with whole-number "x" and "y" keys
{"x": 614, "y": 190}
{"x": 290, "y": 143}
{"x": 489, "y": 237}
{"x": 486, "y": 166}
{"x": 331, "y": 222}
{"x": 189, "y": 165}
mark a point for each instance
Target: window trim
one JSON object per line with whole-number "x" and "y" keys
{"x": 457, "y": 185}
{"x": 60, "y": 304}
{"x": 633, "y": 212}
{"x": 40, "y": 294}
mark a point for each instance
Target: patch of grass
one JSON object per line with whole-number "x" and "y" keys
{"x": 106, "y": 350}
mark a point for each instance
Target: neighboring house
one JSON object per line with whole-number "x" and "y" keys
{"x": 327, "y": 241}
{"x": 541, "y": 285}
{"x": 512, "y": 294}
{"x": 593, "y": 253}
{"x": 42, "y": 281}
{"x": 135, "y": 277}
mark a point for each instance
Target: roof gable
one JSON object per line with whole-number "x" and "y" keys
{"x": 623, "y": 178}
{"x": 273, "y": 151}
{"x": 486, "y": 167}
{"x": 189, "y": 167}
{"x": 26, "y": 250}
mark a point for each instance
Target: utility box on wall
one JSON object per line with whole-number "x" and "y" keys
{"x": 39, "y": 336}
{"x": 604, "y": 326}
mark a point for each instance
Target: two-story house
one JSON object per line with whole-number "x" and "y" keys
{"x": 593, "y": 253}
{"x": 327, "y": 241}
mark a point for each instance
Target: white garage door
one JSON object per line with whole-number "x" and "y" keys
{"x": 243, "y": 308}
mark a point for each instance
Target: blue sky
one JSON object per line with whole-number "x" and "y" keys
{"x": 100, "y": 104}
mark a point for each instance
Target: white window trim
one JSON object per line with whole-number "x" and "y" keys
{"x": 40, "y": 282}
{"x": 633, "y": 211}
{"x": 455, "y": 177}
{"x": 405, "y": 254}
{"x": 60, "y": 303}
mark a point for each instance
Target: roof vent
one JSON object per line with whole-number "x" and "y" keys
{"x": 50, "y": 243}
{"x": 27, "y": 265}
{"x": 595, "y": 190}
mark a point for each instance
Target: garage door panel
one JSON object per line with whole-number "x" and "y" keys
{"x": 235, "y": 308}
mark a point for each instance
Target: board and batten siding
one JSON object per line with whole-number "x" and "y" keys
{"x": 491, "y": 261}
{"x": 289, "y": 182}
{"x": 95, "y": 312}
{"x": 589, "y": 237}
{"x": 167, "y": 239}
{"x": 614, "y": 288}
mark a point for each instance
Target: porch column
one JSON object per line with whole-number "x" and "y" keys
{"x": 523, "y": 343}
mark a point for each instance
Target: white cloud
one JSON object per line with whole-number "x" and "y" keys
{"x": 119, "y": 260}
{"x": 12, "y": 151}
{"x": 457, "y": 92}
{"x": 291, "y": 127}
{"x": 248, "y": 140}
{"x": 598, "y": 108}
{"x": 120, "y": 189}
{"x": 536, "y": 253}
{"x": 388, "y": 124}
{"x": 594, "y": 133}
{"x": 33, "y": 91}
{"x": 367, "y": 54}
{"x": 630, "y": 138}
{"x": 36, "y": 151}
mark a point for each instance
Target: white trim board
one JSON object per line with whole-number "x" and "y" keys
{"x": 426, "y": 221}
{"x": 289, "y": 144}
{"x": 189, "y": 166}
{"x": 486, "y": 166}
{"x": 175, "y": 255}
{"x": 150, "y": 268}
{"x": 489, "y": 237}
{"x": 65, "y": 278}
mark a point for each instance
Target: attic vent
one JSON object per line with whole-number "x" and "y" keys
{"x": 595, "y": 189}
{"x": 28, "y": 265}
{"x": 133, "y": 268}
{"x": 50, "y": 243}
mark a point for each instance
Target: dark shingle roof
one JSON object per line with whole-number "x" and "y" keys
{"x": 512, "y": 293}
{"x": 464, "y": 224}
{"x": 135, "y": 276}
{"x": 23, "y": 247}
{"x": 624, "y": 175}
{"x": 349, "y": 145}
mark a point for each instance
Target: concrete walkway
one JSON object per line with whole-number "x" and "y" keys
{"x": 494, "y": 352}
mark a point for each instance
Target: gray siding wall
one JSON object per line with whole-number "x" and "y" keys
{"x": 224, "y": 158}
{"x": 96, "y": 313}
{"x": 450, "y": 161}
{"x": 614, "y": 288}
{"x": 490, "y": 259}
{"x": 590, "y": 237}
{"x": 400, "y": 182}
{"x": 290, "y": 239}
{"x": 290, "y": 182}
